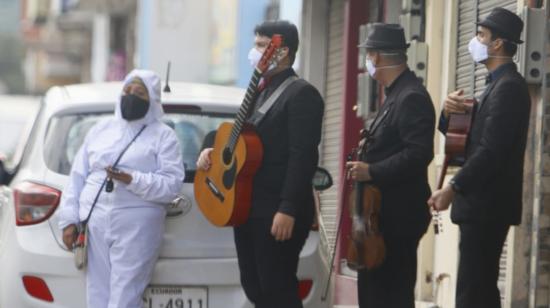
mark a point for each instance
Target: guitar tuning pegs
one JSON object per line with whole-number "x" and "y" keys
{"x": 437, "y": 223}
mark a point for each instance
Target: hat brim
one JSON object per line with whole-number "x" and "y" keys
{"x": 382, "y": 46}
{"x": 494, "y": 26}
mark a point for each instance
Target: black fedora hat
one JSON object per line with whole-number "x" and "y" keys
{"x": 505, "y": 23}
{"x": 385, "y": 36}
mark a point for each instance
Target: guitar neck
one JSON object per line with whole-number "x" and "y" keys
{"x": 246, "y": 108}
{"x": 443, "y": 172}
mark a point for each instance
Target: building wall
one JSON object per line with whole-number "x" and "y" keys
{"x": 538, "y": 226}
{"x": 176, "y": 31}
{"x": 9, "y": 16}
{"x": 251, "y": 13}
{"x": 11, "y": 48}
{"x": 441, "y": 250}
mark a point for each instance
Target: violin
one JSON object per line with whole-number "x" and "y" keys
{"x": 366, "y": 248}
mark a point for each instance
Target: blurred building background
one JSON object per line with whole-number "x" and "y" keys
{"x": 51, "y": 42}
{"x": 11, "y": 48}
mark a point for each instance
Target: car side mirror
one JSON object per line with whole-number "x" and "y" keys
{"x": 5, "y": 174}
{"x": 322, "y": 179}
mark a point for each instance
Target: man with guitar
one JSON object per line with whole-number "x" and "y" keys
{"x": 487, "y": 191}
{"x": 281, "y": 214}
{"x": 398, "y": 151}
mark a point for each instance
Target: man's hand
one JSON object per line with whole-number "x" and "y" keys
{"x": 204, "y": 161}
{"x": 441, "y": 199}
{"x": 69, "y": 236}
{"x": 282, "y": 227}
{"x": 454, "y": 103}
{"x": 118, "y": 175}
{"x": 358, "y": 171}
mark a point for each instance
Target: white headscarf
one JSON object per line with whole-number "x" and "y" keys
{"x": 152, "y": 83}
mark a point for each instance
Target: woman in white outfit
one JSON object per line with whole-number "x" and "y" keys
{"x": 127, "y": 224}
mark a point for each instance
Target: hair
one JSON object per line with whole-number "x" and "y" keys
{"x": 284, "y": 28}
{"x": 509, "y": 47}
{"x": 138, "y": 80}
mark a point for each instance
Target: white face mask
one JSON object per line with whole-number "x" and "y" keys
{"x": 370, "y": 67}
{"x": 254, "y": 56}
{"x": 478, "y": 50}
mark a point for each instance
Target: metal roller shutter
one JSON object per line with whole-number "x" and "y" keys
{"x": 469, "y": 12}
{"x": 330, "y": 146}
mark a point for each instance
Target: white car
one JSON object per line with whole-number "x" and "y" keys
{"x": 197, "y": 267}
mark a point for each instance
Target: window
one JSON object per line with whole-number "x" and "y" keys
{"x": 66, "y": 134}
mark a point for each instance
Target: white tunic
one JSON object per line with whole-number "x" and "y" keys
{"x": 127, "y": 225}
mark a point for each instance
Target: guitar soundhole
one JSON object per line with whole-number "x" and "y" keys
{"x": 227, "y": 155}
{"x": 229, "y": 175}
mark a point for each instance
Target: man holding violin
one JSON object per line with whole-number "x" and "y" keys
{"x": 398, "y": 152}
{"x": 487, "y": 191}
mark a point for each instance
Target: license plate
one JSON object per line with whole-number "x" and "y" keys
{"x": 175, "y": 297}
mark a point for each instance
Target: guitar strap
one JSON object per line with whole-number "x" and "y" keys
{"x": 259, "y": 115}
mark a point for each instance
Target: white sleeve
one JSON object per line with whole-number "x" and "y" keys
{"x": 163, "y": 185}
{"x": 69, "y": 206}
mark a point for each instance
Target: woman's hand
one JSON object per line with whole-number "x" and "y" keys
{"x": 204, "y": 161}
{"x": 69, "y": 236}
{"x": 118, "y": 175}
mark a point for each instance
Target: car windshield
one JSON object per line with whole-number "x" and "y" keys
{"x": 66, "y": 134}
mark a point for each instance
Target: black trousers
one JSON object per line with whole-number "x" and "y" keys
{"x": 268, "y": 268}
{"x": 392, "y": 284}
{"x": 480, "y": 250}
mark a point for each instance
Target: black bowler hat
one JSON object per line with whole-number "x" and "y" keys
{"x": 385, "y": 36}
{"x": 505, "y": 23}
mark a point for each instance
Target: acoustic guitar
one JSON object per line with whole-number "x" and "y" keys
{"x": 455, "y": 146}
{"x": 224, "y": 191}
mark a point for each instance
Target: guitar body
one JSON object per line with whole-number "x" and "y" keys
{"x": 455, "y": 148}
{"x": 457, "y": 135}
{"x": 456, "y": 138}
{"x": 224, "y": 192}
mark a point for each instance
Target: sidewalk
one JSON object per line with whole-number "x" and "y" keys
{"x": 417, "y": 304}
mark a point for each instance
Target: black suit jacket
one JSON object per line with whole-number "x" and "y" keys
{"x": 490, "y": 183}
{"x": 290, "y": 133}
{"x": 399, "y": 155}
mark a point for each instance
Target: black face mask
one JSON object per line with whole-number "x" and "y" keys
{"x": 133, "y": 107}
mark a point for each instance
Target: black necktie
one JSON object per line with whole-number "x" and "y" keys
{"x": 488, "y": 79}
